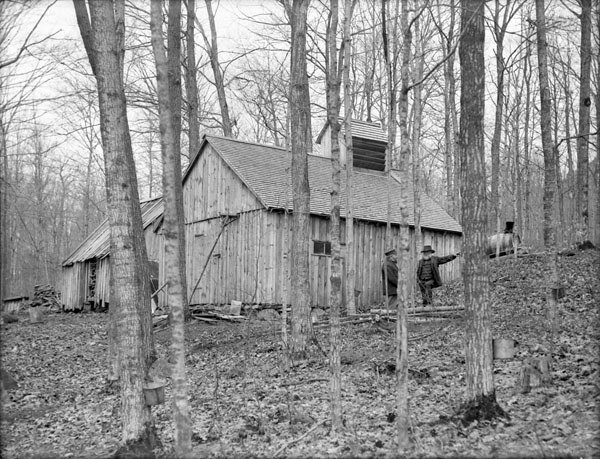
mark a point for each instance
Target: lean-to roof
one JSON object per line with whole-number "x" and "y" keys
{"x": 97, "y": 244}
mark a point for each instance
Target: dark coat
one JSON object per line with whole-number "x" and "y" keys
{"x": 435, "y": 262}
{"x": 392, "y": 277}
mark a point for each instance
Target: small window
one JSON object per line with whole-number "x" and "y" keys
{"x": 321, "y": 247}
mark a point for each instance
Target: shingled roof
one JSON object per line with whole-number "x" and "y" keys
{"x": 97, "y": 244}
{"x": 361, "y": 129}
{"x": 265, "y": 170}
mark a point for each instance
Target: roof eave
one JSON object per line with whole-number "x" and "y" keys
{"x": 368, "y": 220}
{"x": 190, "y": 166}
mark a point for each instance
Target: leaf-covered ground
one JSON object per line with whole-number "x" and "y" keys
{"x": 246, "y": 402}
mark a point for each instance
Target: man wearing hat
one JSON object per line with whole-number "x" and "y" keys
{"x": 428, "y": 275}
{"x": 389, "y": 275}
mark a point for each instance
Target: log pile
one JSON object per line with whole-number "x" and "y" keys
{"x": 46, "y": 296}
{"x": 213, "y": 313}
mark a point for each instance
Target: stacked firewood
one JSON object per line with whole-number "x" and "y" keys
{"x": 45, "y": 295}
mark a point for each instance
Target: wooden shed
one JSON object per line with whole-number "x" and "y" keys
{"x": 86, "y": 272}
{"x": 237, "y": 200}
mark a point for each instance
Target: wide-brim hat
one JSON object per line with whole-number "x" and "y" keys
{"x": 390, "y": 251}
{"x": 427, "y": 248}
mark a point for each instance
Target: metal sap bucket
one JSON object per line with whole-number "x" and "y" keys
{"x": 504, "y": 348}
{"x": 154, "y": 393}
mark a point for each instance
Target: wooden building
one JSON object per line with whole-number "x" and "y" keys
{"x": 237, "y": 203}
{"x": 85, "y": 273}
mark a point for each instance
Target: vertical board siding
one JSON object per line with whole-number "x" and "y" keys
{"x": 210, "y": 193}
{"x": 102, "y": 294}
{"x": 369, "y": 254}
{"x": 76, "y": 278}
{"x": 212, "y": 189}
{"x": 251, "y": 261}
{"x": 72, "y": 286}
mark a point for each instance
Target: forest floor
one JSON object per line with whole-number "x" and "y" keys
{"x": 246, "y": 403}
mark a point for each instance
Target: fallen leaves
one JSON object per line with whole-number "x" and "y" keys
{"x": 246, "y": 400}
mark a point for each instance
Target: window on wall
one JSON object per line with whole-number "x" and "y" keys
{"x": 322, "y": 248}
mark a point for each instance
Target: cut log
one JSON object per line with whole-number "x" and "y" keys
{"x": 535, "y": 372}
{"x": 205, "y": 319}
{"x": 420, "y": 310}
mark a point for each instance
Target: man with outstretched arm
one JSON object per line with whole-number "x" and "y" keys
{"x": 428, "y": 274}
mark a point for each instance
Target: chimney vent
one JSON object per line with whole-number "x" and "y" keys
{"x": 368, "y": 140}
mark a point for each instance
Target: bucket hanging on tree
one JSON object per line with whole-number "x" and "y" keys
{"x": 504, "y": 348}
{"x": 154, "y": 392}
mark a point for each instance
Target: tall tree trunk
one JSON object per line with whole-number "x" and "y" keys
{"x": 516, "y": 171}
{"x": 499, "y": 32}
{"x": 526, "y": 227}
{"x": 191, "y": 82}
{"x": 597, "y": 226}
{"x": 348, "y": 111}
{"x": 335, "y": 279}
{"x": 128, "y": 259}
{"x": 213, "y": 54}
{"x": 151, "y": 162}
{"x": 4, "y": 181}
{"x": 389, "y": 40}
{"x": 560, "y": 226}
{"x": 300, "y": 116}
{"x": 90, "y": 138}
{"x": 454, "y": 115}
{"x": 571, "y": 183}
{"x": 402, "y": 418}
{"x": 173, "y": 232}
{"x": 584, "y": 117}
{"x": 549, "y": 161}
{"x": 479, "y": 375}
{"x": 416, "y": 141}
{"x": 450, "y": 114}
{"x": 174, "y": 69}
{"x": 174, "y": 88}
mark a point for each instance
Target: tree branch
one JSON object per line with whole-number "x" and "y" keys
{"x": 27, "y": 45}
{"x": 83, "y": 21}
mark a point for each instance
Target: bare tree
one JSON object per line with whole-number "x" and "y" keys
{"x": 348, "y": 111}
{"x": 549, "y": 160}
{"x": 584, "y": 117}
{"x": 173, "y": 232}
{"x": 264, "y": 92}
{"x": 212, "y": 49}
{"x": 402, "y": 419}
{"x": 174, "y": 69}
{"x": 481, "y": 396}
{"x": 299, "y": 117}
{"x": 13, "y": 50}
{"x": 389, "y": 42}
{"x": 191, "y": 84}
{"x": 129, "y": 261}
{"x": 527, "y": 73}
{"x": 598, "y": 123}
{"x": 499, "y": 31}
{"x": 417, "y": 115}
{"x": 4, "y": 176}
{"x": 450, "y": 118}
{"x": 333, "y": 78}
